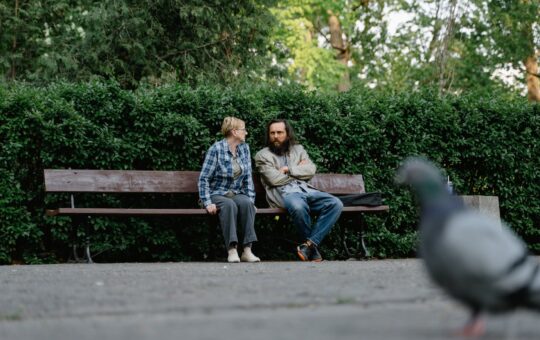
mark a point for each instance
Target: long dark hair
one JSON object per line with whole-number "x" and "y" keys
{"x": 288, "y": 129}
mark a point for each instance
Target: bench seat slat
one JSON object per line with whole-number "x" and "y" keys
{"x": 345, "y": 210}
{"x": 177, "y": 212}
{"x": 124, "y": 211}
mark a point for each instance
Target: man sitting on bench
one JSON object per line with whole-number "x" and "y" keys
{"x": 285, "y": 167}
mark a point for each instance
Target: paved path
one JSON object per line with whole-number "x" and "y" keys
{"x": 270, "y": 300}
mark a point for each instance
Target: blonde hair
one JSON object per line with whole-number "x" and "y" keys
{"x": 231, "y": 123}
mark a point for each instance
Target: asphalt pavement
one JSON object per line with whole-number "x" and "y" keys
{"x": 376, "y": 299}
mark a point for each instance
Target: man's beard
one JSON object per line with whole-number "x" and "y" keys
{"x": 281, "y": 149}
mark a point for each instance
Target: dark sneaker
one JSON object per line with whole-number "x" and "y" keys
{"x": 314, "y": 255}
{"x": 304, "y": 252}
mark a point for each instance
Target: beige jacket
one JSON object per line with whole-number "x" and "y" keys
{"x": 268, "y": 167}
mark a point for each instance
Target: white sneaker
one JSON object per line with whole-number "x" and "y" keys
{"x": 233, "y": 256}
{"x": 248, "y": 256}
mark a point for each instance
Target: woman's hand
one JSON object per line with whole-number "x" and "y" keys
{"x": 211, "y": 208}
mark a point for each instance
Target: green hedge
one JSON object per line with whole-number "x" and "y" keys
{"x": 489, "y": 145}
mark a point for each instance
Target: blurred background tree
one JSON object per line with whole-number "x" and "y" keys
{"x": 132, "y": 41}
{"x": 391, "y": 45}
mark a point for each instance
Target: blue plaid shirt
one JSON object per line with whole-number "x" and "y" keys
{"x": 216, "y": 176}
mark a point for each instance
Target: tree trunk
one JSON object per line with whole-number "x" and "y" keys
{"x": 531, "y": 61}
{"x": 444, "y": 72}
{"x": 436, "y": 31}
{"x": 533, "y": 82}
{"x": 336, "y": 40}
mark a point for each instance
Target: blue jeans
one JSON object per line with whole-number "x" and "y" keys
{"x": 301, "y": 205}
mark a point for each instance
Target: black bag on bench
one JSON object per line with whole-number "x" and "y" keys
{"x": 370, "y": 199}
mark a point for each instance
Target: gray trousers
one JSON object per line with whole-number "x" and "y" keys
{"x": 236, "y": 212}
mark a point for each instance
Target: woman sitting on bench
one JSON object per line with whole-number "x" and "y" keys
{"x": 226, "y": 187}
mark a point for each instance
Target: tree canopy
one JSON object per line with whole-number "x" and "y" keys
{"x": 132, "y": 40}
{"x": 452, "y": 45}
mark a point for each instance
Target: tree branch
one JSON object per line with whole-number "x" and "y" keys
{"x": 196, "y": 48}
{"x": 342, "y": 50}
{"x": 361, "y": 3}
{"x": 537, "y": 75}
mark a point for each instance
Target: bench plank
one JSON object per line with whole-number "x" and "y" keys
{"x": 178, "y": 212}
{"x": 121, "y": 181}
{"x": 123, "y": 211}
{"x": 144, "y": 181}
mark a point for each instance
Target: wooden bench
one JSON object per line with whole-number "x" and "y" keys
{"x": 177, "y": 182}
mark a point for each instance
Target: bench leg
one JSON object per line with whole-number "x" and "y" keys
{"x": 75, "y": 255}
{"x": 360, "y": 243}
{"x": 214, "y": 252}
{"x": 87, "y": 253}
{"x": 77, "y": 222}
{"x": 74, "y": 239}
{"x": 362, "y": 223}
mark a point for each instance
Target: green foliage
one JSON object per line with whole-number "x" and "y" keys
{"x": 488, "y": 144}
{"x": 18, "y": 229}
{"x": 512, "y": 23}
{"x": 142, "y": 42}
{"x": 488, "y": 42}
{"x": 133, "y": 42}
{"x": 295, "y": 45}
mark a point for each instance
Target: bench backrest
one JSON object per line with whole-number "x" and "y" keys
{"x": 141, "y": 181}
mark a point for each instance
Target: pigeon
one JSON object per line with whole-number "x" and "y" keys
{"x": 475, "y": 258}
